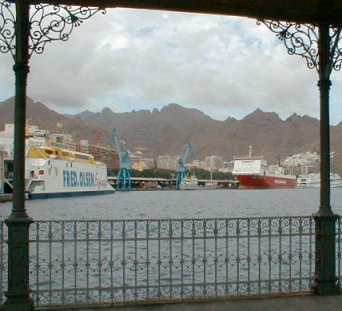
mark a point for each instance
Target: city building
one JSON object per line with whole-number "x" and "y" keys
{"x": 302, "y": 163}
{"x": 228, "y": 167}
{"x": 213, "y": 163}
{"x": 140, "y": 163}
{"x": 61, "y": 138}
{"x": 167, "y": 162}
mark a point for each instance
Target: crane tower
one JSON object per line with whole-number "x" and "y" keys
{"x": 124, "y": 177}
{"x": 181, "y": 164}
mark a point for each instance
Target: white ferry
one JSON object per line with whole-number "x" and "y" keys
{"x": 56, "y": 172}
{"x": 51, "y": 170}
{"x": 313, "y": 180}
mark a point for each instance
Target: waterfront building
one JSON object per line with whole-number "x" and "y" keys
{"x": 196, "y": 163}
{"x": 302, "y": 163}
{"x": 62, "y": 140}
{"x": 6, "y": 141}
{"x": 167, "y": 162}
{"x": 213, "y": 163}
{"x": 228, "y": 167}
{"x": 140, "y": 163}
{"x": 106, "y": 155}
{"x": 59, "y": 138}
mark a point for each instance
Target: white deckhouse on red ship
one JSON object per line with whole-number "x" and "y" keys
{"x": 252, "y": 173}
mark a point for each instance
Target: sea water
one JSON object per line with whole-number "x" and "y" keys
{"x": 172, "y": 204}
{"x": 166, "y": 205}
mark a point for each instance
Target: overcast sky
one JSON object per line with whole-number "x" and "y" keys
{"x": 137, "y": 59}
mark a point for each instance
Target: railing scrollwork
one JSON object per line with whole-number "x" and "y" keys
{"x": 55, "y": 23}
{"x": 302, "y": 40}
{"x": 337, "y": 49}
{"x": 47, "y": 22}
{"x": 7, "y": 31}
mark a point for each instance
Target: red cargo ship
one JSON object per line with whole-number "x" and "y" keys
{"x": 252, "y": 173}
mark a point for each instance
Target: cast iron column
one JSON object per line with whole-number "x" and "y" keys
{"x": 325, "y": 282}
{"x": 18, "y": 294}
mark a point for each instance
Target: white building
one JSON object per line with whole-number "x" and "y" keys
{"x": 142, "y": 164}
{"x": 167, "y": 162}
{"x": 302, "y": 163}
{"x": 61, "y": 138}
{"x": 7, "y": 141}
{"x": 214, "y": 163}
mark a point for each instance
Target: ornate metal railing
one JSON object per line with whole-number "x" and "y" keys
{"x": 89, "y": 262}
{"x": 127, "y": 261}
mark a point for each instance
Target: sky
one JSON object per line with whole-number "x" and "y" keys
{"x": 138, "y": 59}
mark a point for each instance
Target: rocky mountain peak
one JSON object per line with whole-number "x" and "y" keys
{"x": 107, "y": 110}
{"x": 166, "y": 131}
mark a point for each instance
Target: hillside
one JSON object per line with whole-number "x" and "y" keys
{"x": 167, "y": 130}
{"x": 38, "y": 114}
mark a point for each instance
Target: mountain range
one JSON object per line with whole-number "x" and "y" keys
{"x": 166, "y": 131}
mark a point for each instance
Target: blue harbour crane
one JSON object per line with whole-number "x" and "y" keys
{"x": 181, "y": 164}
{"x": 124, "y": 177}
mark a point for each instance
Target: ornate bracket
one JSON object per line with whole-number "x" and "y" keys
{"x": 7, "y": 29}
{"x": 53, "y": 23}
{"x": 47, "y": 22}
{"x": 302, "y": 40}
{"x": 336, "y": 49}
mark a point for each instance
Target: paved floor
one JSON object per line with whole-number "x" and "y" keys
{"x": 288, "y": 303}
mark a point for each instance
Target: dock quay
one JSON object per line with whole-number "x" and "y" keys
{"x": 150, "y": 183}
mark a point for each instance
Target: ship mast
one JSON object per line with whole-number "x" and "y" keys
{"x": 250, "y": 151}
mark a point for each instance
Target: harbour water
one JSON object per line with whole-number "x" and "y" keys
{"x": 119, "y": 260}
{"x": 180, "y": 204}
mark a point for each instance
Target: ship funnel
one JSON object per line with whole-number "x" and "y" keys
{"x": 250, "y": 150}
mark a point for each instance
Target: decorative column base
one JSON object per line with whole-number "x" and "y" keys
{"x": 325, "y": 281}
{"x": 322, "y": 288}
{"x": 18, "y": 293}
{"x": 18, "y": 304}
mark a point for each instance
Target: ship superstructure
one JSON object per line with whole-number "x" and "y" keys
{"x": 252, "y": 173}
{"x": 57, "y": 172}
{"x": 313, "y": 180}
{"x": 50, "y": 170}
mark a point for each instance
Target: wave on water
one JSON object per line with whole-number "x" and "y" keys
{"x": 181, "y": 204}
